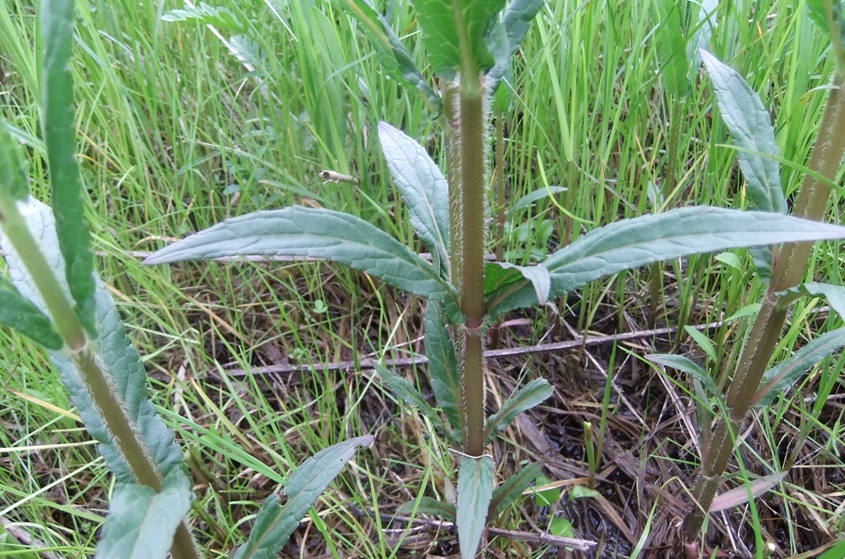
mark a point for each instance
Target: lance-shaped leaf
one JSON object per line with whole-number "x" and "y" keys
{"x": 751, "y": 129}
{"x": 19, "y": 313}
{"x": 538, "y": 276}
{"x": 392, "y": 53}
{"x": 835, "y": 294}
{"x": 644, "y": 240}
{"x": 524, "y": 399}
{"x": 671, "y": 46}
{"x": 475, "y": 489}
{"x": 406, "y": 391}
{"x": 506, "y": 494}
{"x": 275, "y": 523}
{"x": 442, "y": 365}
{"x": 740, "y": 495}
{"x": 318, "y": 233}
{"x": 207, "y": 15}
{"x": 13, "y": 179}
{"x": 423, "y": 188}
{"x": 428, "y": 505}
{"x": 701, "y": 37}
{"x": 60, "y": 138}
{"x": 141, "y": 523}
{"x": 117, "y": 353}
{"x": 517, "y": 20}
{"x": 504, "y": 41}
{"x": 531, "y": 197}
{"x": 440, "y": 21}
{"x": 779, "y": 379}
{"x": 688, "y": 366}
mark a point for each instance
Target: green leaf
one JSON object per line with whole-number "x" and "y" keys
{"x": 475, "y": 489}
{"x": 427, "y": 505}
{"x": 508, "y": 492}
{"x": 777, "y": 380}
{"x": 517, "y": 20}
{"x": 701, "y": 38}
{"x": 832, "y": 23}
{"x": 751, "y": 129}
{"x": 442, "y": 365}
{"x": 546, "y": 493}
{"x": 524, "y": 399}
{"x": 207, "y": 15}
{"x": 537, "y": 275}
{"x": 118, "y": 354}
{"x": 702, "y": 341}
{"x": 392, "y": 53}
{"x": 318, "y": 233}
{"x": 834, "y": 294}
{"x": 404, "y": 390}
{"x": 275, "y": 523}
{"x": 835, "y": 552}
{"x": 653, "y": 238}
{"x": 60, "y": 138}
{"x": 13, "y": 177}
{"x": 19, "y": 313}
{"x": 531, "y": 197}
{"x": 422, "y": 186}
{"x": 740, "y": 495}
{"x": 688, "y": 366}
{"x": 671, "y": 45}
{"x": 440, "y": 21}
{"x": 141, "y": 523}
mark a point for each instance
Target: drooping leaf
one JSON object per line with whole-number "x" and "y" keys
{"x": 751, "y": 129}
{"x": 442, "y": 365}
{"x": 141, "y": 523}
{"x": 530, "y": 395}
{"x": 207, "y": 15}
{"x": 834, "y": 294}
{"x": 422, "y": 186}
{"x": 401, "y": 388}
{"x": 688, "y": 366}
{"x": 672, "y": 48}
{"x": 59, "y": 134}
{"x": 275, "y": 523}
{"x": 508, "y": 492}
{"x": 777, "y": 380}
{"x": 13, "y": 178}
{"x": 517, "y": 19}
{"x": 475, "y": 489}
{"x": 117, "y": 353}
{"x": 739, "y": 495}
{"x": 538, "y": 276}
{"x": 392, "y": 53}
{"x": 318, "y": 233}
{"x": 702, "y": 341}
{"x": 427, "y": 505}
{"x": 535, "y": 196}
{"x": 19, "y": 313}
{"x": 644, "y": 240}
{"x": 440, "y": 19}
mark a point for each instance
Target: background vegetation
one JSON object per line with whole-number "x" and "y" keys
{"x": 182, "y": 125}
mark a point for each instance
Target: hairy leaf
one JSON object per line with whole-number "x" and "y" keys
{"x": 751, "y": 129}
{"x": 208, "y": 15}
{"x": 834, "y": 294}
{"x": 141, "y": 523}
{"x": 440, "y": 20}
{"x": 524, "y": 399}
{"x": 740, "y": 495}
{"x": 422, "y": 186}
{"x": 506, "y": 494}
{"x": 517, "y": 20}
{"x": 60, "y": 138}
{"x": 318, "y": 233}
{"x": 671, "y": 41}
{"x": 688, "y": 366}
{"x": 427, "y": 505}
{"x": 644, "y": 240}
{"x": 537, "y": 275}
{"x": 19, "y": 313}
{"x": 442, "y": 365}
{"x": 701, "y": 37}
{"x": 475, "y": 489}
{"x": 275, "y": 523}
{"x": 777, "y": 380}
{"x": 392, "y": 53}
{"x": 407, "y": 392}
{"x": 13, "y": 178}
{"x": 118, "y": 354}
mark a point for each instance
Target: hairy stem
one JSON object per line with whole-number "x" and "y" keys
{"x": 789, "y": 268}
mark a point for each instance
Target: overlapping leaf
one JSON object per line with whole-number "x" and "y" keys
{"x": 275, "y": 523}
{"x": 509, "y": 491}
{"x": 317, "y": 233}
{"x": 475, "y": 489}
{"x": 13, "y": 179}
{"x": 442, "y": 365}
{"x": 19, "y": 313}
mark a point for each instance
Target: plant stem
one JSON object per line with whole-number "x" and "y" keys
{"x": 788, "y": 269}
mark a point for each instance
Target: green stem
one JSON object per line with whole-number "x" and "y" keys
{"x": 789, "y": 268}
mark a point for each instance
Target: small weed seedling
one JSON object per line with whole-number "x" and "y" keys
{"x": 55, "y": 298}
{"x": 469, "y": 46}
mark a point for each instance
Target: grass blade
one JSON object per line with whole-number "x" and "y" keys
{"x": 475, "y": 489}
{"x": 60, "y": 138}
{"x": 688, "y": 366}
{"x": 141, "y": 523}
{"x": 275, "y": 523}
{"x": 740, "y": 495}
{"x": 317, "y": 233}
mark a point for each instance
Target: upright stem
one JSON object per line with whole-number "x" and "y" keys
{"x": 789, "y": 268}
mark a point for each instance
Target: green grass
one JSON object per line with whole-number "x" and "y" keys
{"x": 171, "y": 126}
